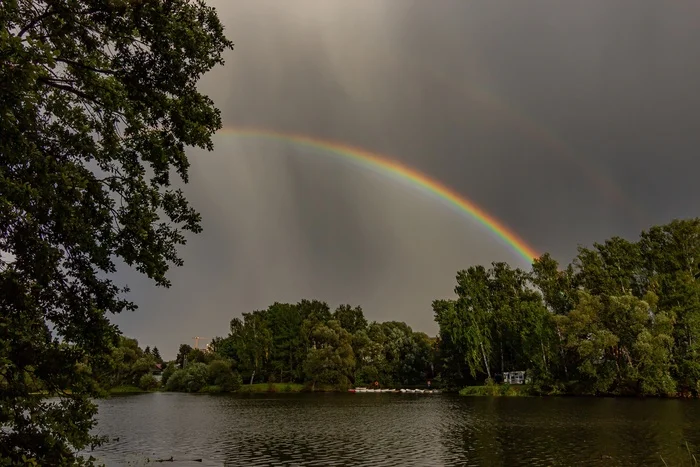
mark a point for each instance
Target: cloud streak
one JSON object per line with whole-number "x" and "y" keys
{"x": 570, "y": 123}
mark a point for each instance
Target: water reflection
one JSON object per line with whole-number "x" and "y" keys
{"x": 392, "y": 429}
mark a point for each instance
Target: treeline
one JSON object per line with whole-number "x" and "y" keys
{"x": 195, "y": 370}
{"x": 129, "y": 366}
{"x": 307, "y": 343}
{"x": 286, "y": 343}
{"x": 623, "y": 318}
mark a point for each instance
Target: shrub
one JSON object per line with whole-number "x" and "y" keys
{"x": 148, "y": 382}
{"x": 176, "y": 382}
{"x": 366, "y": 375}
{"x": 237, "y": 381}
{"x": 167, "y": 373}
{"x": 220, "y": 374}
{"x": 191, "y": 379}
{"x": 196, "y": 377}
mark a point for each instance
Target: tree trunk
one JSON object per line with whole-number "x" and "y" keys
{"x": 502, "y": 357}
{"x": 486, "y": 360}
{"x": 561, "y": 351}
{"x": 544, "y": 356}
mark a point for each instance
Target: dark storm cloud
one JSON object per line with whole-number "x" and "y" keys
{"x": 528, "y": 108}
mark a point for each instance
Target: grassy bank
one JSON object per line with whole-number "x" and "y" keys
{"x": 114, "y": 390}
{"x": 271, "y": 387}
{"x": 525, "y": 390}
{"x": 497, "y": 390}
{"x": 128, "y": 390}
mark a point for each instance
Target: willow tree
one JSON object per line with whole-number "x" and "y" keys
{"x": 98, "y": 101}
{"x": 474, "y": 312}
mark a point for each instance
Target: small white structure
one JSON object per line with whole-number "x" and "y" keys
{"x": 514, "y": 377}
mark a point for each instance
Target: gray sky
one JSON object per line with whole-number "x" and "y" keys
{"x": 568, "y": 121}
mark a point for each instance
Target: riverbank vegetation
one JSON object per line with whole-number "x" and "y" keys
{"x": 307, "y": 343}
{"x": 622, "y": 319}
{"x": 495, "y": 390}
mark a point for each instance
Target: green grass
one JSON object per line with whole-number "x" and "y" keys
{"x": 114, "y": 390}
{"x": 271, "y": 387}
{"x": 46, "y": 393}
{"x": 127, "y": 390}
{"x": 496, "y": 390}
{"x": 213, "y": 389}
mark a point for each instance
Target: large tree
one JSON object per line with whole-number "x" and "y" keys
{"x": 98, "y": 101}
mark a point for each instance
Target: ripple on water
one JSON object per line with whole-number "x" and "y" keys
{"x": 395, "y": 429}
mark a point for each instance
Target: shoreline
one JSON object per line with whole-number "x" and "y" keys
{"x": 496, "y": 391}
{"x": 523, "y": 390}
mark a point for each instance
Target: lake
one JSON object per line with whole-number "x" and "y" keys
{"x": 396, "y": 429}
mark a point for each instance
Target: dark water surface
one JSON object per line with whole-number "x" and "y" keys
{"x": 396, "y": 429}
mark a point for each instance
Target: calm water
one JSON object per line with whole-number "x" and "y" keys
{"x": 396, "y": 429}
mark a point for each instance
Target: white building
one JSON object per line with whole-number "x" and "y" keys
{"x": 514, "y": 377}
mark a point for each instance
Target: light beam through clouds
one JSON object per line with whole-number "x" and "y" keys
{"x": 569, "y": 122}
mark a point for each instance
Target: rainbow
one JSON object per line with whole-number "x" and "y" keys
{"x": 392, "y": 167}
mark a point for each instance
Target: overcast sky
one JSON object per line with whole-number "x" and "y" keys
{"x": 568, "y": 121}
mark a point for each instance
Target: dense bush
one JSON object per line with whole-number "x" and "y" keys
{"x": 148, "y": 382}
{"x": 366, "y": 375}
{"x": 191, "y": 379}
{"x": 221, "y": 375}
{"x": 167, "y": 373}
{"x": 217, "y": 376}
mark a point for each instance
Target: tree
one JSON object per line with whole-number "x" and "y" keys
{"x": 182, "y": 354}
{"x": 221, "y": 375}
{"x": 672, "y": 262}
{"x": 98, "y": 101}
{"x": 156, "y": 355}
{"x": 557, "y": 288}
{"x": 452, "y": 352}
{"x": 351, "y": 319}
{"x": 331, "y": 361}
{"x": 473, "y": 307}
{"x": 148, "y": 382}
{"x": 285, "y": 327}
{"x": 167, "y": 373}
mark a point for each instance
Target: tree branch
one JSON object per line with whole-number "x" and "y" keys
{"x": 52, "y": 83}
{"x": 86, "y": 67}
{"x": 49, "y": 12}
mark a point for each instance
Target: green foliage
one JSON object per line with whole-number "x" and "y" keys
{"x": 276, "y": 387}
{"x": 623, "y": 318}
{"x": 495, "y": 390}
{"x": 305, "y": 342}
{"x": 98, "y": 101}
{"x": 217, "y": 376}
{"x": 126, "y": 390}
{"x": 156, "y": 355}
{"x": 192, "y": 379}
{"x": 331, "y": 360}
{"x": 148, "y": 382}
{"x": 351, "y": 319}
{"x": 221, "y": 375}
{"x": 125, "y": 365}
{"x": 167, "y": 373}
